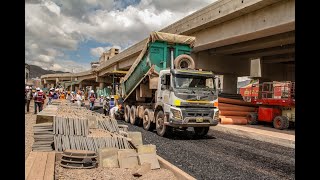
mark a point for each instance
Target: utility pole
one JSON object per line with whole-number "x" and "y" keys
{"x": 71, "y": 79}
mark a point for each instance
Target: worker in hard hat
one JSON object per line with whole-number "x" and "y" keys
{"x": 28, "y": 97}
{"x": 92, "y": 99}
{"x": 79, "y": 98}
{"x": 101, "y": 99}
{"x": 38, "y": 100}
{"x": 50, "y": 96}
{"x": 105, "y": 105}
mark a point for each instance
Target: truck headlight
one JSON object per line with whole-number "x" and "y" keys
{"x": 176, "y": 114}
{"x": 216, "y": 115}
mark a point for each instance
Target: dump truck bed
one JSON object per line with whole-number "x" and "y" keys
{"x": 154, "y": 57}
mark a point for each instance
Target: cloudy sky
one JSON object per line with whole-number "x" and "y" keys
{"x": 67, "y": 35}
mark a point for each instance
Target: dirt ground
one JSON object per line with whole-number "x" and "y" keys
{"x": 109, "y": 173}
{"x": 89, "y": 174}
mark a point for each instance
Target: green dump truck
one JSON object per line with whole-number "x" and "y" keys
{"x": 163, "y": 90}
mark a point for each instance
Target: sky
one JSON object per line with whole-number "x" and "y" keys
{"x": 66, "y": 35}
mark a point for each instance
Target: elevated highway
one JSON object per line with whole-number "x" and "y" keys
{"x": 229, "y": 34}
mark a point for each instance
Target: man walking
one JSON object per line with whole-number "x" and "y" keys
{"x": 38, "y": 99}
{"x": 28, "y": 97}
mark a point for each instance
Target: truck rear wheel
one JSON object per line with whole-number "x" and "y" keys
{"x": 162, "y": 129}
{"x": 281, "y": 122}
{"x": 133, "y": 112}
{"x": 201, "y": 131}
{"x": 252, "y": 118}
{"x": 184, "y": 61}
{"x": 147, "y": 120}
{"x": 127, "y": 113}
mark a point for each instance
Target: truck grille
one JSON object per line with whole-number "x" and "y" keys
{"x": 196, "y": 114}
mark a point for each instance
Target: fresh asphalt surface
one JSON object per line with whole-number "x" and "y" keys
{"x": 222, "y": 156}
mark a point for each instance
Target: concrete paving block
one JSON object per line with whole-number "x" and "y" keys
{"x": 146, "y": 149}
{"x": 93, "y": 123}
{"x": 44, "y": 118}
{"x": 149, "y": 158}
{"x": 127, "y": 159}
{"x": 136, "y": 138}
{"x": 108, "y": 157}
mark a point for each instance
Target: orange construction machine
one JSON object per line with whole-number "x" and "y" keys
{"x": 276, "y": 102}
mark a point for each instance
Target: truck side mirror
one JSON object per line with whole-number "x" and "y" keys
{"x": 163, "y": 80}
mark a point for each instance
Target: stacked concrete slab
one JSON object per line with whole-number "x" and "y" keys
{"x": 71, "y": 130}
{"x": 43, "y": 137}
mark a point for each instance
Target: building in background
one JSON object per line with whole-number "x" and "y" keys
{"x": 108, "y": 55}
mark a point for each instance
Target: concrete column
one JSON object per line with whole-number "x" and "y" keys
{"x": 52, "y": 85}
{"x": 80, "y": 85}
{"x": 102, "y": 85}
{"x": 229, "y": 84}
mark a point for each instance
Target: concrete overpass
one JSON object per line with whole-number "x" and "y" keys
{"x": 229, "y": 34}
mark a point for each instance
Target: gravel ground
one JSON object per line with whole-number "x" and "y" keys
{"x": 222, "y": 156}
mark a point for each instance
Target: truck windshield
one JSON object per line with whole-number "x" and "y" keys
{"x": 197, "y": 82}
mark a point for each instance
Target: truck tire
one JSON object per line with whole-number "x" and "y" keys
{"x": 252, "y": 118}
{"x": 281, "y": 122}
{"x": 127, "y": 113}
{"x": 201, "y": 131}
{"x": 162, "y": 129}
{"x": 133, "y": 112}
{"x": 147, "y": 120}
{"x": 184, "y": 61}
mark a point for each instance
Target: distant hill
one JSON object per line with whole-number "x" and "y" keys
{"x": 36, "y": 71}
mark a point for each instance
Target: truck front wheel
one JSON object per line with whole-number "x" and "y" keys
{"x": 162, "y": 129}
{"x": 127, "y": 113}
{"x": 201, "y": 131}
{"x": 147, "y": 120}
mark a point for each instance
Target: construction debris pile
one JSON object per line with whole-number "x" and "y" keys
{"x": 234, "y": 111}
{"x": 43, "y": 137}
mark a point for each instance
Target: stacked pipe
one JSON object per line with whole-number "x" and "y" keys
{"x": 72, "y": 130}
{"x": 233, "y": 111}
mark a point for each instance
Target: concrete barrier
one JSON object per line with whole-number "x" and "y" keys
{"x": 180, "y": 175}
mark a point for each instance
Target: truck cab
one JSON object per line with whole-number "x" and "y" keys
{"x": 186, "y": 98}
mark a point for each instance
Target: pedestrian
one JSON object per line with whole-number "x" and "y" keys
{"x": 44, "y": 97}
{"x": 113, "y": 111}
{"x": 73, "y": 97}
{"x": 106, "y": 106}
{"x": 50, "y": 96}
{"x": 28, "y": 97}
{"x": 92, "y": 99}
{"x": 55, "y": 94}
{"x": 68, "y": 96}
{"x": 79, "y": 98}
{"x": 62, "y": 96}
{"x": 101, "y": 100}
{"x": 38, "y": 99}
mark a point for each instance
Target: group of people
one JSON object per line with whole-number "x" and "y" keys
{"x": 38, "y": 96}
{"x": 39, "y": 99}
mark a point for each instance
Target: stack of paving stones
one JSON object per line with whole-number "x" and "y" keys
{"x": 71, "y": 130}
{"x": 78, "y": 159}
{"x": 43, "y": 137}
{"x": 129, "y": 158}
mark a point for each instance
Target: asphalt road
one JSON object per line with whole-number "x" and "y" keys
{"x": 222, "y": 156}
